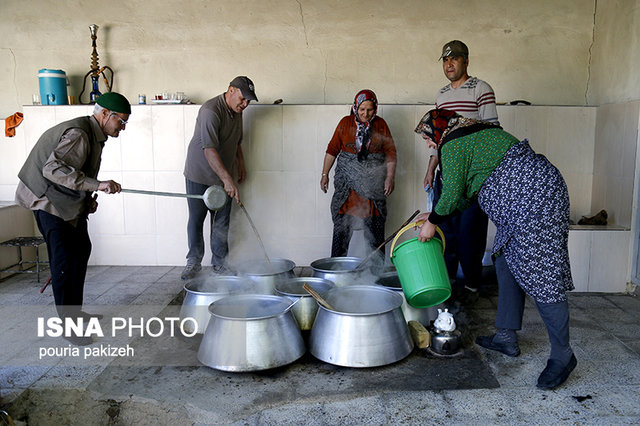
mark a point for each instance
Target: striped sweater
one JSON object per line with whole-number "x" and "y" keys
{"x": 474, "y": 99}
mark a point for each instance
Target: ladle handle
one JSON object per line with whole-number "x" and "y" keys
{"x": 293, "y": 304}
{"x": 389, "y": 238}
{"x": 316, "y": 296}
{"x": 168, "y": 194}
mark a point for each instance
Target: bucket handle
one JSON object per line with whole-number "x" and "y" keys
{"x": 413, "y": 225}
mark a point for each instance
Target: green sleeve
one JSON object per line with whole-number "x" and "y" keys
{"x": 455, "y": 162}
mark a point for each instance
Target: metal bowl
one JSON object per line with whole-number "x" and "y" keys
{"x": 202, "y": 291}
{"x": 424, "y": 316}
{"x": 365, "y": 329}
{"x": 267, "y": 274}
{"x": 341, "y": 270}
{"x": 306, "y": 307}
{"x": 251, "y": 332}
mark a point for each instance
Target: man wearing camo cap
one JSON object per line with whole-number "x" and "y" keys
{"x": 466, "y": 234}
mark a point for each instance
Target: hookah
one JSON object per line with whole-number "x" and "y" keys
{"x": 95, "y": 71}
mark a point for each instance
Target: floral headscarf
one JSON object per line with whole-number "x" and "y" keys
{"x": 363, "y": 134}
{"x": 437, "y": 123}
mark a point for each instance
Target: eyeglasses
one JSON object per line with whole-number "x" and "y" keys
{"x": 122, "y": 122}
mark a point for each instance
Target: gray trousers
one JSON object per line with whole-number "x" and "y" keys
{"x": 219, "y": 221}
{"x": 511, "y": 308}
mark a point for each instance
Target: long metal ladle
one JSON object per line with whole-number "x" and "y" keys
{"x": 255, "y": 231}
{"x": 214, "y": 197}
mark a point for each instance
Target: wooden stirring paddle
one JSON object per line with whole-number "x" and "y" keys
{"x": 316, "y": 296}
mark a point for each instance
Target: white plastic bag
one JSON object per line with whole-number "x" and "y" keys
{"x": 429, "y": 192}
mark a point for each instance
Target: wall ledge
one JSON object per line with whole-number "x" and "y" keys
{"x": 598, "y": 228}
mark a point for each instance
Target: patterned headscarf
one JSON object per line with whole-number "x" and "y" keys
{"x": 437, "y": 123}
{"x": 441, "y": 124}
{"x": 363, "y": 134}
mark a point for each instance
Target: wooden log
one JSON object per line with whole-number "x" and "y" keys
{"x": 421, "y": 337}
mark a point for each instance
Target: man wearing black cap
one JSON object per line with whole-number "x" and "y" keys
{"x": 466, "y": 234}
{"x": 56, "y": 182}
{"x": 214, "y": 154}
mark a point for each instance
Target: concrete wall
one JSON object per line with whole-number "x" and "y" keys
{"x": 574, "y": 52}
{"x": 303, "y": 51}
{"x": 615, "y": 57}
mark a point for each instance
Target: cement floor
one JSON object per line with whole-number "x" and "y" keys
{"x": 163, "y": 383}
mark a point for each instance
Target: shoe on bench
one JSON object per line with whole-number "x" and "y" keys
{"x": 509, "y": 349}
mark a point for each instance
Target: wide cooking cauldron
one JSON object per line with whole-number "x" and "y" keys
{"x": 202, "y": 291}
{"x": 341, "y": 270}
{"x": 365, "y": 329}
{"x": 267, "y": 274}
{"x": 251, "y": 332}
{"x": 306, "y": 307}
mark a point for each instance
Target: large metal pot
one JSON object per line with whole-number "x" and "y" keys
{"x": 366, "y": 329}
{"x": 202, "y": 291}
{"x": 267, "y": 274}
{"x": 424, "y": 316}
{"x": 306, "y": 307}
{"x": 251, "y": 332}
{"x": 341, "y": 270}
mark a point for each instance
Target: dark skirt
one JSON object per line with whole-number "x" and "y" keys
{"x": 527, "y": 199}
{"x": 364, "y": 177}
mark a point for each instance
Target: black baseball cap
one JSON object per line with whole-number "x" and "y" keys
{"x": 246, "y": 87}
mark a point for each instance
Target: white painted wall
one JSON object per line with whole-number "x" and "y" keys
{"x": 284, "y": 147}
{"x": 614, "y": 167}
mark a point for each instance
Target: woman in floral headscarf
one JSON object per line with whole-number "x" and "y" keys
{"x": 525, "y": 196}
{"x": 364, "y": 176}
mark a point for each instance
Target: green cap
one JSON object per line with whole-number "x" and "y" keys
{"x": 455, "y": 48}
{"x": 115, "y": 102}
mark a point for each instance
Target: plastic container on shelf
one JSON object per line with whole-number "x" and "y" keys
{"x": 53, "y": 87}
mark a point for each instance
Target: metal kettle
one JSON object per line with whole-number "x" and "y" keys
{"x": 445, "y": 342}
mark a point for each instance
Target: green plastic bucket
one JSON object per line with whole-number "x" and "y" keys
{"x": 421, "y": 269}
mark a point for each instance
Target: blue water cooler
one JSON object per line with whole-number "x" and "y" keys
{"x": 53, "y": 87}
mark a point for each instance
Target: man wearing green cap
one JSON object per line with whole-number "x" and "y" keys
{"x": 56, "y": 183}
